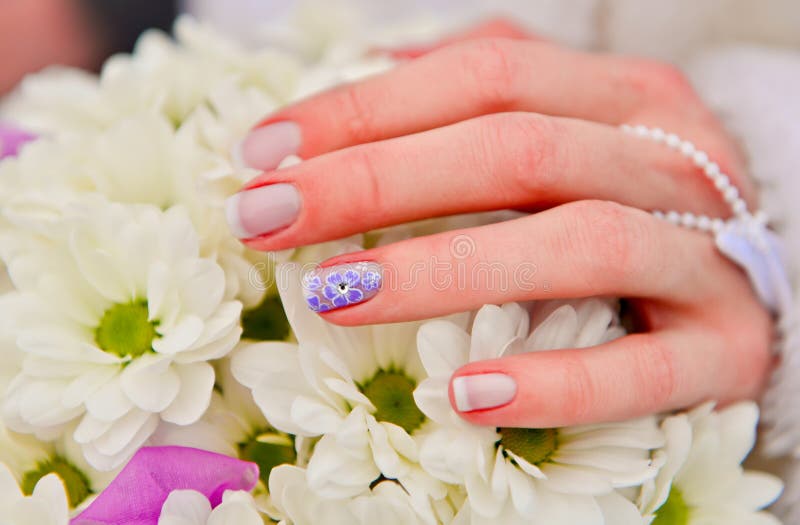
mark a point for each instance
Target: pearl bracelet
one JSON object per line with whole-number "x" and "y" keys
{"x": 744, "y": 238}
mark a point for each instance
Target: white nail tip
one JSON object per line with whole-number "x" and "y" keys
{"x": 483, "y": 391}
{"x": 234, "y": 218}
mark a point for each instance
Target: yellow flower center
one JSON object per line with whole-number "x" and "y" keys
{"x": 75, "y": 482}
{"x": 125, "y": 330}
{"x": 392, "y": 393}
{"x": 674, "y": 511}
{"x": 268, "y": 449}
{"x": 534, "y": 445}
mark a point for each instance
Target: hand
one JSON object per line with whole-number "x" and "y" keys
{"x": 497, "y": 123}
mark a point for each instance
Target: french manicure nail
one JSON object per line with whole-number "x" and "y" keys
{"x": 482, "y": 391}
{"x": 262, "y": 210}
{"x": 264, "y": 148}
{"x": 342, "y": 285}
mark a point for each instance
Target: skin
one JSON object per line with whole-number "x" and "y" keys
{"x": 495, "y": 119}
{"x": 38, "y": 33}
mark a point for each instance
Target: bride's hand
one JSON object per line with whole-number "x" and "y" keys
{"x": 496, "y": 123}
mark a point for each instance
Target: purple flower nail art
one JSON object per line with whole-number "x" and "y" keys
{"x": 340, "y": 286}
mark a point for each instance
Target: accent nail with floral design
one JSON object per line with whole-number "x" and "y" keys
{"x": 342, "y": 285}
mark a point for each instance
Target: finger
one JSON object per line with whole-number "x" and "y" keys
{"x": 496, "y": 28}
{"x": 633, "y": 376}
{"x": 513, "y": 160}
{"x": 580, "y": 249}
{"x": 467, "y": 80}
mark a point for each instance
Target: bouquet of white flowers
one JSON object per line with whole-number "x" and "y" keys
{"x": 157, "y": 371}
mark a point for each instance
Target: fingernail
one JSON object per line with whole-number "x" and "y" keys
{"x": 264, "y": 148}
{"x": 343, "y": 285}
{"x": 482, "y": 391}
{"x": 262, "y": 210}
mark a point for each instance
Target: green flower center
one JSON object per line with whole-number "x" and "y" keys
{"x": 75, "y": 482}
{"x": 392, "y": 393}
{"x": 534, "y": 445}
{"x": 266, "y": 322}
{"x": 268, "y": 450}
{"x": 674, "y": 511}
{"x": 125, "y": 330}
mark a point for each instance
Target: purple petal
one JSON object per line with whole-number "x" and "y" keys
{"x": 335, "y": 278}
{"x": 12, "y": 139}
{"x": 312, "y": 283}
{"x": 339, "y": 301}
{"x": 352, "y": 277}
{"x": 354, "y": 295}
{"x": 371, "y": 281}
{"x": 331, "y": 292}
{"x": 137, "y": 494}
{"x": 313, "y": 302}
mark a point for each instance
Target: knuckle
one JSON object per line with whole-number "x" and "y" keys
{"x": 659, "y": 80}
{"x": 357, "y": 113}
{"x": 579, "y": 393}
{"x": 490, "y": 72}
{"x": 364, "y": 170}
{"x": 525, "y": 146}
{"x": 607, "y": 237}
{"x": 755, "y": 358}
{"x": 654, "y": 373}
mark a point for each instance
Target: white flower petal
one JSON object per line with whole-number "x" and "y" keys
{"x": 756, "y": 490}
{"x": 109, "y": 402}
{"x": 151, "y": 382}
{"x": 83, "y": 386}
{"x": 122, "y": 432}
{"x": 185, "y": 507}
{"x": 492, "y": 329}
{"x": 432, "y": 399}
{"x": 180, "y": 337}
{"x": 313, "y": 416}
{"x": 333, "y": 473}
{"x": 443, "y": 347}
{"x": 194, "y": 397}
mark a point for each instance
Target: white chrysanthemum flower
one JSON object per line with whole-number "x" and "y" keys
{"x": 234, "y": 426}
{"x": 29, "y": 460}
{"x": 297, "y": 504}
{"x": 703, "y": 481}
{"x": 189, "y": 507}
{"x": 350, "y": 386}
{"x": 541, "y": 473}
{"x": 47, "y": 505}
{"x": 118, "y": 316}
{"x": 162, "y": 76}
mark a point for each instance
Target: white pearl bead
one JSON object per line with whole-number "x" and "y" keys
{"x": 673, "y": 141}
{"x": 688, "y": 220}
{"x": 711, "y": 169}
{"x": 687, "y": 148}
{"x": 730, "y": 194}
{"x": 722, "y": 181}
{"x": 658, "y": 134}
{"x": 717, "y": 225}
{"x": 641, "y": 131}
{"x": 739, "y": 206}
{"x": 704, "y": 223}
{"x": 658, "y": 214}
{"x": 700, "y": 158}
{"x": 674, "y": 217}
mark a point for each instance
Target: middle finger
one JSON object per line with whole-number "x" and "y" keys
{"x": 507, "y": 160}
